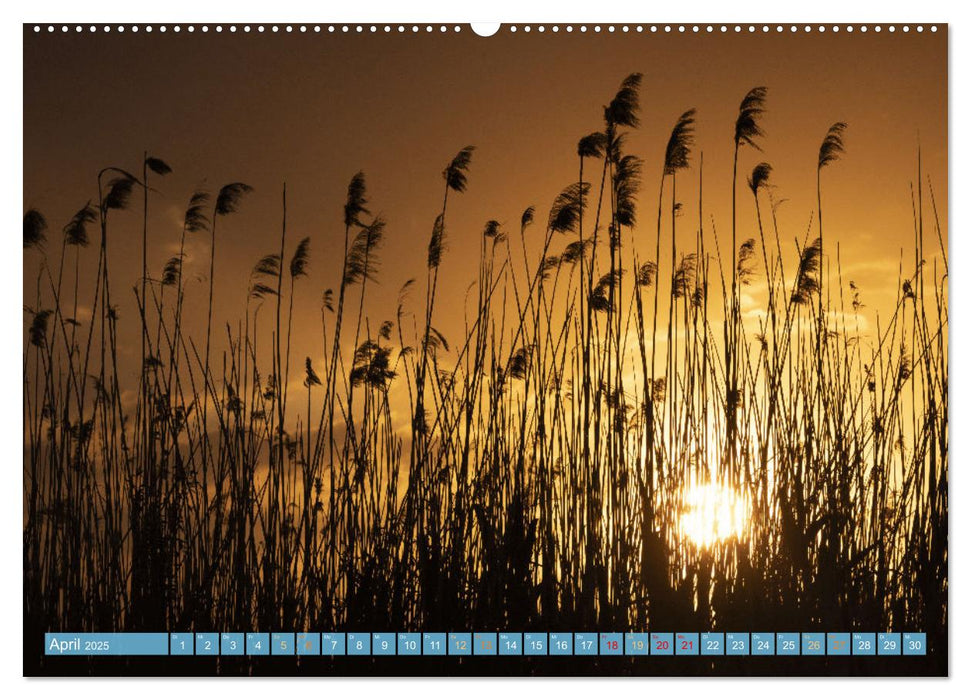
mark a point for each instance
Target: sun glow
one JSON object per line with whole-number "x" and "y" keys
{"x": 712, "y": 513}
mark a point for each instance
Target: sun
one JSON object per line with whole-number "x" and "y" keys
{"x": 712, "y": 513}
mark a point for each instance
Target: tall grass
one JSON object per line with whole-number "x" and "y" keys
{"x": 533, "y": 473}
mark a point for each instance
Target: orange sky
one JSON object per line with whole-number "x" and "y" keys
{"x": 314, "y": 109}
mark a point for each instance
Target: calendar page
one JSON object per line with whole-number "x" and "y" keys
{"x": 535, "y": 350}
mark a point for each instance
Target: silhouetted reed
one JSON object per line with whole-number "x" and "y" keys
{"x": 532, "y": 474}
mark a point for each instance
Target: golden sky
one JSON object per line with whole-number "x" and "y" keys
{"x": 314, "y": 109}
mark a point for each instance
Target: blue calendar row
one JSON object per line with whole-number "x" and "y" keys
{"x": 489, "y": 644}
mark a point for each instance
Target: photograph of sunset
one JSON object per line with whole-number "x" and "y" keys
{"x": 347, "y": 349}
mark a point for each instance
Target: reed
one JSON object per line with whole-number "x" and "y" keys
{"x": 551, "y": 454}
